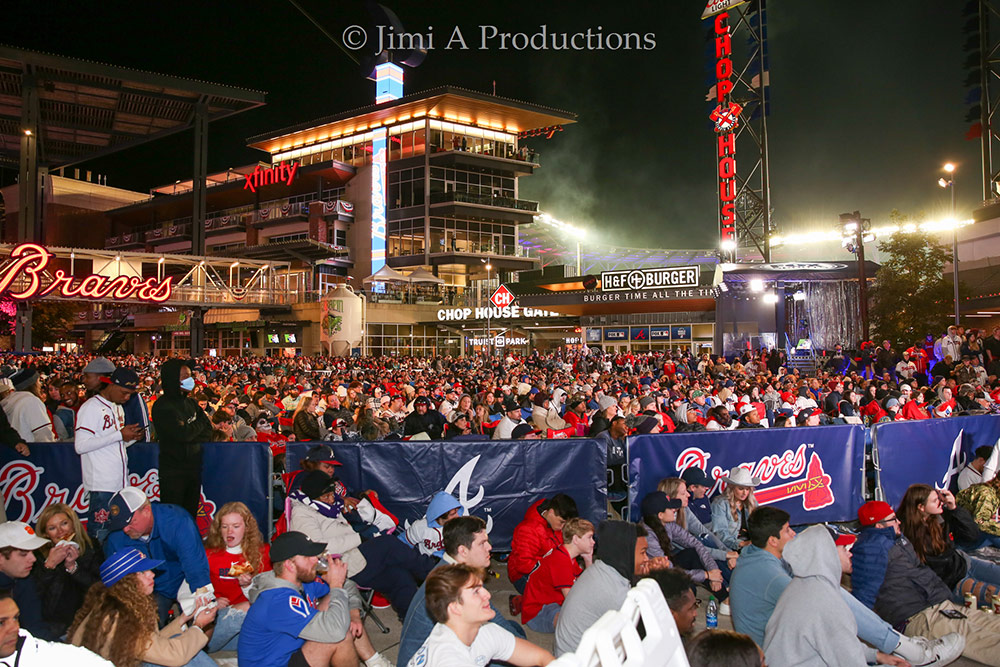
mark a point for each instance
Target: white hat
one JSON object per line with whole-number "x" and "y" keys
{"x": 6, "y": 385}
{"x": 741, "y": 477}
{"x": 746, "y": 407}
{"x": 20, "y": 536}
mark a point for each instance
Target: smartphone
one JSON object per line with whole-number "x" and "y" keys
{"x": 951, "y": 613}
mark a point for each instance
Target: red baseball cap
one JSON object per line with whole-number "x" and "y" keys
{"x": 845, "y": 540}
{"x": 874, "y": 511}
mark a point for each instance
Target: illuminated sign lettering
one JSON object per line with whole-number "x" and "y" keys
{"x": 279, "y": 173}
{"x": 713, "y": 7}
{"x": 640, "y": 279}
{"x": 537, "y": 132}
{"x": 507, "y": 312}
{"x": 725, "y": 117}
{"x": 378, "y": 200}
{"x": 24, "y": 274}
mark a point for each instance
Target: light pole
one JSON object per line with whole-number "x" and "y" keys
{"x": 857, "y": 227}
{"x": 489, "y": 312}
{"x": 950, "y": 183}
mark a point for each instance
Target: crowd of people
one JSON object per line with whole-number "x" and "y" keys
{"x": 137, "y": 583}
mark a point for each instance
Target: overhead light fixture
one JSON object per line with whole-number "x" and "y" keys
{"x": 756, "y": 285}
{"x": 770, "y": 297}
{"x": 728, "y": 245}
{"x": 799, "y": 296}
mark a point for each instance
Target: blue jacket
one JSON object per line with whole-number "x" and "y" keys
{"x": 754, "y": 588}
{"x": 25, "y": 594}
{"x": 174, "y": 539}
{"x": 417, "y": 626}
{"x": 870, "y": 557}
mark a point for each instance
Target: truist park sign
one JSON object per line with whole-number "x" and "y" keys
{"x": 24, "y": 276}
{"x": 726, "y": 117}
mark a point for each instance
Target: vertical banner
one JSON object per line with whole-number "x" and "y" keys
{"x": 378, "y": 199}
{"x": 497, "y": 481}
{"x": 814, "y": 474}
{"x": 230, "y": 471}
{"x": 930, "y": 451}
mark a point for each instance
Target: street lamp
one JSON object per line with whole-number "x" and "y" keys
{"x": 950, "y": 183}
{"x": 489, "y": 311}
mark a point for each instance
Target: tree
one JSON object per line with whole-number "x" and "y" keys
{"x": 911, "y": 297}
{"x": 51, "y": 321}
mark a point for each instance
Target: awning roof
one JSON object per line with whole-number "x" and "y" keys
{"x": 386, "y": 274}
{"x": 88, "y": 109}
{"x": 421, "y": 275}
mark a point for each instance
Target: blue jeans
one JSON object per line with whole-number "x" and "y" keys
{"x": 545, "y": 620}
{"x": 871, "y": 627}
{"x": 226, "y": 635}
{"x": 99, "y": 501}
{"x": 980, "y": 571}
{"x": 986, "y": 540}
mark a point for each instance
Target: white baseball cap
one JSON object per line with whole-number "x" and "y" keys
{"x": 20, "y": 536}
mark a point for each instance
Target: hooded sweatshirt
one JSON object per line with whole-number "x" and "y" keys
{"x": 811, "y": 624}
{"x": 602, "y": 586}
{"x": 427, "y": 534}
{"x": 181, "y": 426}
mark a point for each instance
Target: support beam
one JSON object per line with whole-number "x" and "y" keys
{"x": 197, "y": 331}
{"x": 22, "y": 327}
{"x": 200, "y": 175}
{"x": 29, "y": 213}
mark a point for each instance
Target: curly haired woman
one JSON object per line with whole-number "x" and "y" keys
{"x": 125, "y": 594}
{"x": 236, "y": 554}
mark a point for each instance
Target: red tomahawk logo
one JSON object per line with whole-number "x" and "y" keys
{"x": 814, "y": 488}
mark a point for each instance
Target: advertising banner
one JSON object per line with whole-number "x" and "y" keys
{"x": 931, "y": 451}
{"x": 230, "y": 471}
{"x": 495, "y": 480}
{"x": 814, "y": 474}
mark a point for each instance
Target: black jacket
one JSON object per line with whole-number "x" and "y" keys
{"x": 432, "y": 422}
{"x": 181, "y": 426}
{"x": 62, "y": 593}
{"x": 909, "y": 586}
{"x": 950, "y": 565}
{"x": 25, "y": 593}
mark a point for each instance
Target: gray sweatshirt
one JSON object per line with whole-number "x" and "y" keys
{"x": 326, "y": 626}
{"x": 811, "y": 624}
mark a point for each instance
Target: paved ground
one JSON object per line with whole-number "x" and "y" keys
{"x": 501, "y": 588}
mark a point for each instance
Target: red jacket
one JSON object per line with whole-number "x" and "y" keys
{"x": 533, "y": 538}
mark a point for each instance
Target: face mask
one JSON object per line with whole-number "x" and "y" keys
{"x": 187, "y": 384}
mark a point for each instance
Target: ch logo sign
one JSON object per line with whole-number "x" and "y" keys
{"x": 502, "y": 298}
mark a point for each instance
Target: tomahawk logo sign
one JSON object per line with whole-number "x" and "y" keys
{"x": 463, "y": 480}
{"x": 807, "y": 480}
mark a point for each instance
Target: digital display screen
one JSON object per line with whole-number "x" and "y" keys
{"x": 289, "y": 338}
{"x": 272, "y": 338}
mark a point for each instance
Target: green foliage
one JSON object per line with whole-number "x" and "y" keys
{"x": 911, "y": 297}
{"x": 51, "y": 321}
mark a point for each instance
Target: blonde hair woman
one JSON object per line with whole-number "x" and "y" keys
{"x": 731, "y": 508}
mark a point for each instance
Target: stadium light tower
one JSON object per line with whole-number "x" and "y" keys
{"x": 950, "y": 184}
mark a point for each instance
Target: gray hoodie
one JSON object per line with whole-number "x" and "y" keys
{"x": 326, "y": 626}
{"x": 811, "y": 624}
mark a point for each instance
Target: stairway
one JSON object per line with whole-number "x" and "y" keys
{"x": 113, "y": 339}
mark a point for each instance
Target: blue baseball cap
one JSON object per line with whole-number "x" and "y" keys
{"x": 126, "y": 561}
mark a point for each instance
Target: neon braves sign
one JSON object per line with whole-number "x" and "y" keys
{"x": 725, "y": 116}
{"x": 279, "y": 173}
{"x": 22, "y": 278}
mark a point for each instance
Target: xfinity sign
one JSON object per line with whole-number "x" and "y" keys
{"x": 643, "y": 279}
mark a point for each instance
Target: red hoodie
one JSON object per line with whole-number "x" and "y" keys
{"x": 533, "y": 538}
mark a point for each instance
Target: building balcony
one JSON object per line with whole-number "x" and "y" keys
{"x": 458, "y": 158}
{"x": 169, "y": 233}
{"x": 264, "y": 216}
{"x": 223, "y": 224}
{"x": 126, "y": 241}
{"x": 506, "y": 209}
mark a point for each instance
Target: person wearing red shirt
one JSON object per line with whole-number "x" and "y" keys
{"x": 555, "y": 575}
{"x": 236, "y": 553}
{"x": 538, "y": 532}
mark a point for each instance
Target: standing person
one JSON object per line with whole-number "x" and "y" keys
{"x": 102, "y": 437}
{"x": 25, "y": 409}
{"x": 181, "y": 427}
{"x": 463, "y": 635}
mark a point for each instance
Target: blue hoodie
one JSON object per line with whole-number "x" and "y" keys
{"x": 756, "y": 584}
{"x": 427, "y": 534}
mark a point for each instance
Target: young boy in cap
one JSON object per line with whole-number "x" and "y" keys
{"x": 17, "y": 544}
{"x": 101, "y": 439}
{"x": 162, "y": 532}
{"x": 297, "y": 620}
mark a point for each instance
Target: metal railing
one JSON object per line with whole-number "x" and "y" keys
{"x": 484, "y": 200}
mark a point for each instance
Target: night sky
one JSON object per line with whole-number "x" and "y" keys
{"x": 867, "y": 98}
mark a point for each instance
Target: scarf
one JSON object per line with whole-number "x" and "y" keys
{"x": 330, "y": 511}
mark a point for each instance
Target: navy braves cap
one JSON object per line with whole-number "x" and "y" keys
{"x": 126, "y": 561}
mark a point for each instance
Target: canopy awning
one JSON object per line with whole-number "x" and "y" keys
{"x": 386, "y": 274}
{"x": 420, "y": 275}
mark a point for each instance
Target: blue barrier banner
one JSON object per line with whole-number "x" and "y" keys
{"x": 495, "y": 480}
{"x": 930, "y": 451}
{"x": 814, "y": 474}
{"x": 230, "y": 471}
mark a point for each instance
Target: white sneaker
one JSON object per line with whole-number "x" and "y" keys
{"x": 724, "y": 609}
{"x": 378, "y": 660}
{"x": 923, "y": 652}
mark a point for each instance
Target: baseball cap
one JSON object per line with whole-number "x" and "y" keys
{"x": 123, "y": 505}
{"x": 522, "y": 430}
{"x": 842, "y": 539}
{"x": 100, "y": 365}
{"x": 6, "y": 385}
{"x": 126, "y": 561}
{"x": 125, "y": 378}
{"x": 874, "y": 511}
{"x": 322, "y": 454}
{"x": 20, "y": 536}
{"x": 695, "y": 477}
{"x": 293, "y": 543}
{"x": 421, "y": 400}
{"x": 657, "y": 501}
{"x": 697, "y": 393}
{"x": 316, "y": 482}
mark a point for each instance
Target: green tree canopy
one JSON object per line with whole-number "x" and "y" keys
{"x": 910, "y": 298}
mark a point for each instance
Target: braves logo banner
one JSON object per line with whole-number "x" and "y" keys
{"x": 814, "y": 474}
{"x": 230, "y": 471}
{"x": 497, "y": 481}
{"x": 929, "y": 451}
